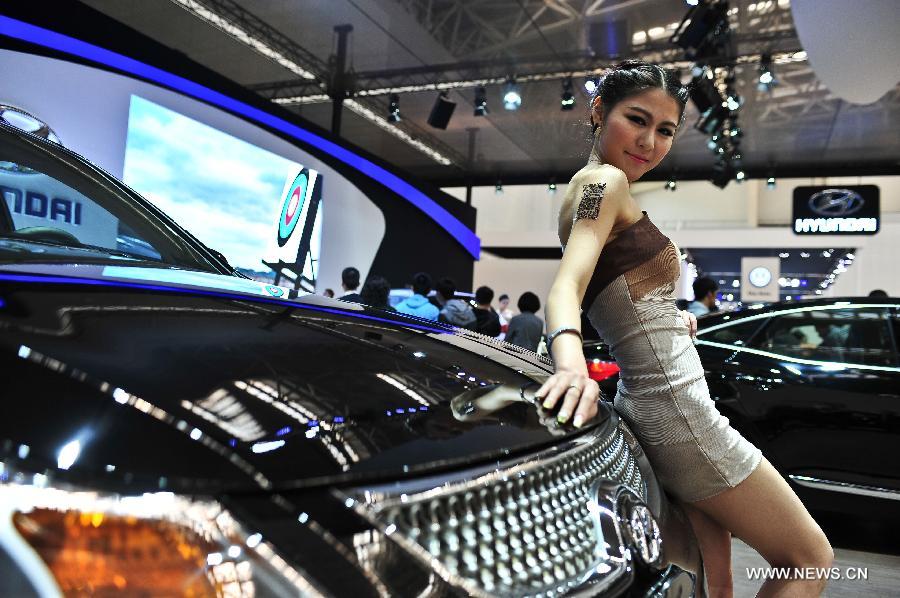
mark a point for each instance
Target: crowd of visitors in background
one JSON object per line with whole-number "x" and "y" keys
{"x": 441, "y": 302}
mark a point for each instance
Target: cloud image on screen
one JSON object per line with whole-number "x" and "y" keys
{"x": 225, "y": 191}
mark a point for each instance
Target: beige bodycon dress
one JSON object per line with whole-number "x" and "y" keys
{"x": 662, "y": 392}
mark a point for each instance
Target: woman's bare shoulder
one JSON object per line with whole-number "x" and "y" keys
{"x": 589, "y": 186}
{"x": 608, "y": 175}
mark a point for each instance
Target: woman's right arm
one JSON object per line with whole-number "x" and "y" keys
{"x": 602, "y": 194}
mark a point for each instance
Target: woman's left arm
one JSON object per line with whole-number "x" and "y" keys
{"x": 604, "y": 196}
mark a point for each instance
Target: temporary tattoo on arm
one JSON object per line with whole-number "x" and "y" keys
{"x": 591, "y": 196}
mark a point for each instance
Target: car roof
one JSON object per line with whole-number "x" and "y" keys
{"x": 716, "y": 318}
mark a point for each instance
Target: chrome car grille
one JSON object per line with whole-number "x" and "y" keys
{"x": 525, "y": 528}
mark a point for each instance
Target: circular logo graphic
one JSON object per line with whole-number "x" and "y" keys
{"x": 760, "y": 277}
{"x": 274, "y": 291}
{"x": 293, "y": 206}
{"x": 836, "y": 202}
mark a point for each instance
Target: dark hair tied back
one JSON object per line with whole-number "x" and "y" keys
{"x": 634, "y": 76}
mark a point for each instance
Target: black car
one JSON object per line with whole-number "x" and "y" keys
{"x": 815, "y": 384}
{"x": 171, "y": 428}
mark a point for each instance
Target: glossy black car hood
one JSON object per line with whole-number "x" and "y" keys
{"x": 187, "y": 388}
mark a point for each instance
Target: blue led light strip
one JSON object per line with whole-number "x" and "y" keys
{"x": 63, "y": 43}
{"x": 29, "y": 278}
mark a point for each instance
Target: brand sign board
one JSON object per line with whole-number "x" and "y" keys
{"x": 836, "y": 210}
{"x": 759, "y": 279}
{"x": 295, "y": 237}
{"x": 34, "y": 199}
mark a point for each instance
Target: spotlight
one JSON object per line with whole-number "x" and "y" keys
{"x": 766, "y": 78}
{"x": 591, "y": 85}
{"x": 481, "y": 107}
{"x": 712, "y": 119}
{"x": 733, "y": 102}
{"x": 722, "y": 173}
{"x": 703, "y": 90}
{"x": 512, "y": 99}
{"x": 770, "y": 182}
{"x": 551, "y": 188}
{"x": 498, "y": 188}
{"x": 703, "y": 30}
{"x": 740, "y": 176}
{"x": 671, "y": 184}
{"x": 567, "y": 100}
{"x": 441, "y": 111}
{"x": 691, "y": 2}
{"x": 394, "y": 109}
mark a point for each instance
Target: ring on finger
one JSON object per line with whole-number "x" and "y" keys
{"x": 571, "y": 386}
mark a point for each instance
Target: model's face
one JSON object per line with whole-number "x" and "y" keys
{"x": 638, "y": 132}
{"x": 504, "y": 303}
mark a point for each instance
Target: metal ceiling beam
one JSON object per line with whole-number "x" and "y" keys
{"x": 234, "y": 20}
{"x": 882, "y": 168}
{"x": 498, "y": 23}
{"x": 250, "y": 30}
{"x": 489, "y": 72}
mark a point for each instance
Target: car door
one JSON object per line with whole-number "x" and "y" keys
{"x": 820, "y": 386}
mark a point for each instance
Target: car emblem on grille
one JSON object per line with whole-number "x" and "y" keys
{"x": 645, "y": 537}
{"x": 836, "y": 202}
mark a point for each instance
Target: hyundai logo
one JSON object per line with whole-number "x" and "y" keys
{"x": 836, "y": 202}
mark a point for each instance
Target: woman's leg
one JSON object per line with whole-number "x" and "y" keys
{"x": 715, "y": 547}
{"x": 764, "y": 512}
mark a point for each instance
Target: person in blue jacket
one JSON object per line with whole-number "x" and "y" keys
{"x": 418, "y": 305}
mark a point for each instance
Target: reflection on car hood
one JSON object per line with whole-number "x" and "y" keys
{"x": 169, "y": 276}
{"x": 168, "y": 385}
{"x": 14, "y": 250}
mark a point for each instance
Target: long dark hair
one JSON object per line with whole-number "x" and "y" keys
{"x": 634, "y": 76}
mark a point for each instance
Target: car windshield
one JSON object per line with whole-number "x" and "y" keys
{"x": 58, "y": 208}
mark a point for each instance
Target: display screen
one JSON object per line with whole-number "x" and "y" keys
{"x": 262, "y": 211}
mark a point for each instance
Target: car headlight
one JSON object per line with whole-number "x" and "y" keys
{"x": 73, "y": 542}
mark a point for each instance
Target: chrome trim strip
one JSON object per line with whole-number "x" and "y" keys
{"x": 846, "y": 488}
{"x": 793, "y": 310}
{"x": 831, "y": 366}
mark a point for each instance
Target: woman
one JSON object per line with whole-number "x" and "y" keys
{"x": 621, "y": 271}
{"x": 376, "y": 292}
{"x": 526, "y": 329}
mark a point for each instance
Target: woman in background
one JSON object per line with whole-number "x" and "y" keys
{"x": 376, "y": 292}
{"x": 526, "y": 329}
